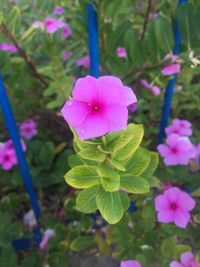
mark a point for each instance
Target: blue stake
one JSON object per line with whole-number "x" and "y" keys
{"x": 12, "y": 129}
{"x": 92, "y": 23}
{"x": 171, "y": 84}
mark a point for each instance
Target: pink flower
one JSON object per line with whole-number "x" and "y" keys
{"x": 173, "y": 58}
{"x": 153, "y": 15}
{"x": 28, "y": 129}
{"x": 133, "y": 107}
{"x": 181, "y": 127}
{"x": 99, "y": 106}
{"x": 84, "y": 62}
{"x": 8, "y": 48}
{"x": 172, "y": 68}
{"x": 130, "y": 263}
{"x": 121, "y": 52}
{"x": 166, "y": 185}
{"x": 187, "y": 260}
{"x": 51, "y": 25}
{"x": 58, "y": 10}
{"x": 47, "y": 234}
{"x": 38, "y": 24}
{"x": 66, "y": 55}
{"x": 66, "y": 31}
{"x": 152, "y": 88}
{"x": 178, "y": 150}
{"x": 174, "y": 206}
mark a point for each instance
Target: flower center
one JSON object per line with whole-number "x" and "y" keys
{"x": 174, "y": 150}
{"x": 173, "y": 206}
{"x": 6, "y": 158}
{"x": 95, "y": 108}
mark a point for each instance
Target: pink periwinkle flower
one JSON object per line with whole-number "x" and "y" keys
{"x": 99, "y": 106}
{"x": 66, "y": 31}
{"x": 130, "y": 263}
{"x": 187, "y": 260}
{"x": 155, "y": 90}
{"x": 47, "y": 235}
{"x": 8, "y": 48}
{"x": 153, "y": 15}
{"x": 181, "y": 127}
{"x": 38, "y": 24}
{"x": 178, "y": 150}
{"x": 133, "y": 107}
{"x": 29, "y": 219}
{"x": 121, "y": 52}
{"x": 174, "y": 206}
{"x": 58, "y": 10}
{"x": 84, "y": 62}
{"x": 28, "y": 129}
{"x": 51, "y": 25}
{"x": 166, "y": 185}
{"x": 172, "y": 68}
{"x": 66, "y": 55}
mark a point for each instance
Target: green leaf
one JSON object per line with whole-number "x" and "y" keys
{"x": 116, "y": 164}
{"x": 131, "y": 146}
{"x": 92, "y": 153}
{"x": 13, "y": 19}
{"x": 75, "y": 160}
{"x": 82, "y": 243}
{"x": 110, "y": 205}
{"x": 125, "y": 200}
{"x": 110, "y": 179}
{"x": 152, "y": 165}
{"x": 86, "y": 200}
{"x": 134, "y": 184}
{"x": 82, "y": 177}
{"x": 139, "y": 162}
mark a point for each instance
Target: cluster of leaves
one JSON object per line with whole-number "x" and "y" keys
{"x": 108, "y": 168}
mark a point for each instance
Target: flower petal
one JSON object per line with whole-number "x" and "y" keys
{"x": 172, "y": 193}
{"x": 187, "y": 258}
{"x": 185, "y": 201}
{"x": 75, "y": 112}
{"x": 130, "y": 96}
{"x": 161, "y": 203}
{"x": 176, "y": 264}
{"x": 93, "y": 126}
{"x": 163, "y": 150}
{"x": 171, "y": 160}
{"x": 172, "y": 139}
{"x": 181, "y": 218}
{"x": 130, "y": 263}
{"x": 115, "y": 116}
{"x": 165, "y": 216}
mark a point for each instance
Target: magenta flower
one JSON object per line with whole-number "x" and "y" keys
{"x": 181, "y": 127}
{"x": 166, "y": 185}
{"x": 187, "y": 260}
{"x": 28, "y": 129}
{"x": 130, "y": 263}
{"x": 174, "y": 206}
{"x": 58, "y": 10}
{"x": 7, "y": 159}
{"x": 99, "y": 106}
{"x": 66, "y": 55}
{"x": 51, "y": 25}
{"x": 153, "y": 15}
{"x": 47, "y": 235}
{"x": 152, "y": 88}
{"x": 133, "y": 107}
{"x": 66, "y": 31}
{"x": 84, "y": 62}
{"x": 172, "y": 68}
{"x": 178, "y": 150}
{"x": 121, "y": 52}
{"x": 8, "y": 48}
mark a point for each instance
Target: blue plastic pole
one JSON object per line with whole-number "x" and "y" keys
{"x": 12, "y": 129}
{"x": 92, "y": 24}
{"x": 171, "y": 84}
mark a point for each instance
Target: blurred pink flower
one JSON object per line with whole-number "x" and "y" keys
{"x": 173, "y": 58}
{"x": 187, "y": 260}
{"x": 99, "y": 106}
{"x": 174, "y": 206}
{"x": 177, "y": 150}
{"x": 133, "y": 107}
{"x": 8, "y": 48}
{"x": 181, "y": 127}
{"x": 84, "y": 62}
{"x": 152, "y": 88}
{"x": 166, "y": 185}
{"x": 58, "y": 10}
{"x": 47, "y": 234}
{"x": 8, "y": 157}
{"x": 172, "y": 68}
{"x": 66, "y": 31}
{"x": 121, "y": 52}
{"x": 130, "y": 263}
{"x": 153, "y": 15}
{"x": 51, "y": 25}
{"x": 29, "y": 219}
{"x": 28, "y": 129}
{"x": 66, "y": 55}
{"x": 38, "y": 24}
